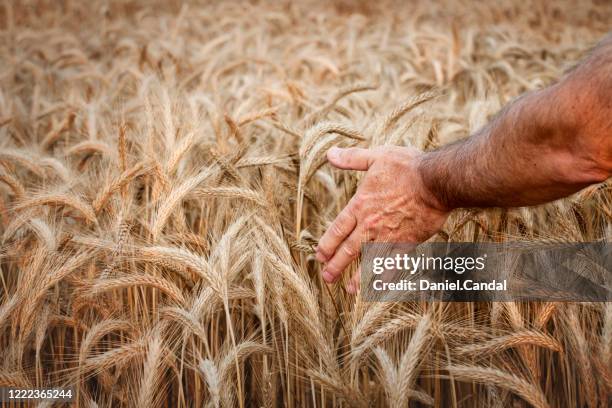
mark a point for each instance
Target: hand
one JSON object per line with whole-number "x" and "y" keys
{"x": 391, "y": 205}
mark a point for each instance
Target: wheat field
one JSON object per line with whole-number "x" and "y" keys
{"x": 163, "y": 183}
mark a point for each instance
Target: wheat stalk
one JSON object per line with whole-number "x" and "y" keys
{"x": 485, "y": 375}
{"x": 163, "y": 182}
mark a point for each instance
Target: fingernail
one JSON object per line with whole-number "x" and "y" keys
{"x": 333, "y": 153}
{"x": 320, "y": 257}
{"x": 327, "y": 277}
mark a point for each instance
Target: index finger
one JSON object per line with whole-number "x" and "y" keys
{"x": 342, "y": 226}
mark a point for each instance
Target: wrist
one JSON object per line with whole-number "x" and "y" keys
{"x": 431, "y": 184}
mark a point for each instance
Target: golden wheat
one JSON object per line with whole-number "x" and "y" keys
{"x": 163, "y": 183}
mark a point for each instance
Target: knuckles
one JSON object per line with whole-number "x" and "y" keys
{"x": 371, "y": 223}
{"x": 333, "y": 271}
{"x": 350, "y": 251}
{"x": 337, "y": 229}
{"x": 357, "y": 204}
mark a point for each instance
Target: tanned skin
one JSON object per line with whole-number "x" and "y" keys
{"x": 545, "y": 145}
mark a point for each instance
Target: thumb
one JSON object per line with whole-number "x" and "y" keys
{"x": 352, "y": 158}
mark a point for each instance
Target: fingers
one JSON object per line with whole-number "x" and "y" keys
{"x": 334, "y": 246}
{"x": 352, "y": 158}
{"x": 345, "y": 254}
{"x": 342, "y": 226}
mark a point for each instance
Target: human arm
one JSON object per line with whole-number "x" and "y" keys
{"x": 545, "y": 145}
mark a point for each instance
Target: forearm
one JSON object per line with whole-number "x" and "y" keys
{"x": 546, "y": 145}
